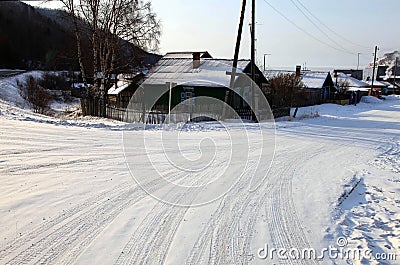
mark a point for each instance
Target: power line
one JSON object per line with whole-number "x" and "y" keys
{"x": 301, "y": 29}
{"x": 328, "y": 28}
{"x": 321, "y": 30}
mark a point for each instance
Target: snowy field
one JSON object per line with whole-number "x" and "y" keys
{"x": 67, "y": 194}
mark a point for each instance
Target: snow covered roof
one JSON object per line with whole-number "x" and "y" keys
{"x": 119, "y": 87}
{"x": 364, "y": 89}
{"x": 353, "y": 82}
{"x": 210, "y": 72}
{"x": 378, "y": 83}
{"x": 131, "y": 75}
{"x": 315, "y": 79}
{"x": 274, "y": 73}
{"x": 310, "y": 79}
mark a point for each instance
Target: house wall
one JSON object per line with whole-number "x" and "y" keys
{"x": 180, "y": 93}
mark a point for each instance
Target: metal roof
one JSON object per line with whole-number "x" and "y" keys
{"x": 211, "y": 72}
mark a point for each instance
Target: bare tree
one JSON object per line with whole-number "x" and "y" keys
{"x": 283, "y": 90}
{"x": 110, "y": 24}
{"x": 34, "y": 93}
{"x": 344, "y": 85}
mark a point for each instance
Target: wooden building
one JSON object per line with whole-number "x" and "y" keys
{"x": 197, "y": 74}
{"x": 123, "y": 89}
{"x": 317, "y": 87}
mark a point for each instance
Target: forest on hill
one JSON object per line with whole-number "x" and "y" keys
{"x": 35, "y": 38}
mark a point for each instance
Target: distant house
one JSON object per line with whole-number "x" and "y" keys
{"x": 351, "y": 83}
{"x": 357, "y": 74}
{"x": 319, "y": 81}
{"x": 318, "y": 86}
{"x": 348, "y": 84}
{"x": 196, "y": 74}
{"x": 123, "y": 89}
{"x": 378, "y": 85}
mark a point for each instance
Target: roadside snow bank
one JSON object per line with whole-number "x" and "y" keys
{"x": 63, "y": 103}
{"x": 392, "y": 97}
{"x": 371, "y": 100}
{"x": 9, "y": 90}
{"x": 12, "y": 112}
{"x": 334, "y": 111}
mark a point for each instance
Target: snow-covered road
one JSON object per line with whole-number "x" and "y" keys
{"x": 67, "y": 195}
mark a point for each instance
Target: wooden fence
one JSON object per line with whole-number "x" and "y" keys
{"x": 92, "y": 106}
{"x": 159, "y": 117}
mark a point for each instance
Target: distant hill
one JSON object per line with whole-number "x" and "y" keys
{"x": 35, "y": 38}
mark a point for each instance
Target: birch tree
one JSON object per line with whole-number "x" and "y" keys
{"x": 109, "y": 25}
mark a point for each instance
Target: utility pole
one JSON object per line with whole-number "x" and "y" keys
{"x": 253, "y": 39}
{"x": 235, "y": 57}
{"x": 358, "y": 60}
{"x": 253, "y": 58}
{"x": 394, "y": 76}
{"x": 373, "y": 72}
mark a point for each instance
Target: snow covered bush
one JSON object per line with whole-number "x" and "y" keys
{"x": 35, "y": 94}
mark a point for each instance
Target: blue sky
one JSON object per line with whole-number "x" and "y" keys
{"x": 357, "y": 25}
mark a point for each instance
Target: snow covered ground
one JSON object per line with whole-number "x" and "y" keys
{"x": 10, "y": 93}
{"x": 67, "y": 195}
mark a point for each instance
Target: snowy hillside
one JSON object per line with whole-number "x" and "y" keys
{"x": 68, "y": 197}
{"x": 10, "y": 95}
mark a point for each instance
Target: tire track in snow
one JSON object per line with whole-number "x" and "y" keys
{"x": 45, "y": 165}
{"x": 223, "y": 224}
{"x": 390, "y": 158}
{"x": 226, "y": 239}
{"x": 59, "y": 220}
{"x": 285, "y": 226}
{"x": 151, "y": 241}
{"x": 63, "y": 238}
{"x": 52, "y": 239}
{"x": 232, "y": 222}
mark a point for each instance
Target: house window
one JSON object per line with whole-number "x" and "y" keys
{"x": 188, "y": 95}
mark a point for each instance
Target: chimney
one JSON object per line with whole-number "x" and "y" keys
{"x": 298, "y": 70}
{"x": 196, "y": 60}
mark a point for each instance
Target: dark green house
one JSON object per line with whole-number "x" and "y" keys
{"x": 195, "y": 74}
